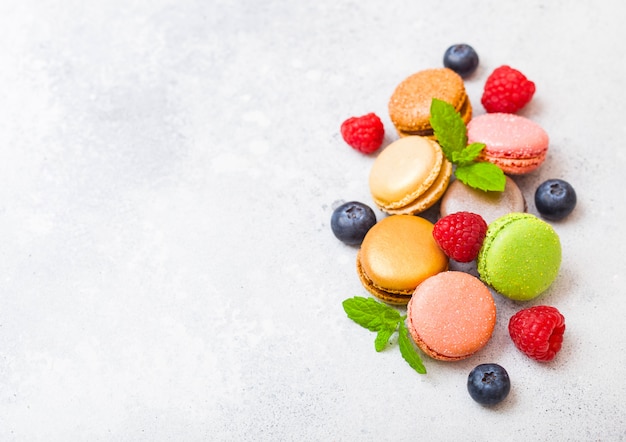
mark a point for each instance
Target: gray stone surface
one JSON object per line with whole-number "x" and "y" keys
{"x": 168, "y": 171}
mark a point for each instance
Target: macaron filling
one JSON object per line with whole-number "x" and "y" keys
{"x": 465, "y": 109}
{"x": 372, "y": 284}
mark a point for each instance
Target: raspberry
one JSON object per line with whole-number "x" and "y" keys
{"x": 460, "y": 235}
{"x": 538, "y": 331}
{"x": 507, "y": 90}
{"x": 364, "y": 134}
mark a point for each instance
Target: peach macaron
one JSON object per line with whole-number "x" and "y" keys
{"x": 451, "y": 315}
{"x": 409, "y": 176}
{"x": 516, "y": 144}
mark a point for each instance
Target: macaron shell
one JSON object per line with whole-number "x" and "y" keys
{"x": 490, "y": 205}
{"x": 515, "y": 166}
{"x": 520, "y": 257}
{"x": 515, "y": 143}
{"x": 431, "y": 196}
{"x": 404, "y": 170}
{"x": 451, "y": 315}
{"x": 409, "y": 105}
{"x": 397, "y": 254}
{"x": 389, "y": 297}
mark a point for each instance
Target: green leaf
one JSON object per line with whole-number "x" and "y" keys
{"x": 449, "y": 128}
{"x": 382, "y": 337}
{"x": 468, "y": 154}
{"x": 384, "y": 320}
{"x": 408, "y": 350}
{"x": 451, "y": 134}
{"x": 371, "y": 314}
{"x": 483, "y": 175}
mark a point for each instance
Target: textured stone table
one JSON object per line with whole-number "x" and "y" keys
{"x": 167, "y": 270}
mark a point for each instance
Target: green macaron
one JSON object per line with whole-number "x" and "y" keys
{"x": 520, "y": 257}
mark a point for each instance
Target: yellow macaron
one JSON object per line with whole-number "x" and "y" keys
{"x": 409, "y": 176}
{"x": 396, "y": 255}
{"x": 409, "y": 105}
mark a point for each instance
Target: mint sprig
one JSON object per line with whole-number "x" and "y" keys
{"x": 385, "y": 321}
{"x": 451, "y": 134}
{"x": 407, "y": 349}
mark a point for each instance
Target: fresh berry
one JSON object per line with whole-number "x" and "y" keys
{"x": 461, "y": 58}
{"x": 507, "y": 90}
{"x": 538, "y": 331}
{"x": 351, "y": 221}
{"x": 460, "y": 235}
{"x": 555, "y": 199}
{"x": 364, "y": 134}
{"x": 488, "y": 384}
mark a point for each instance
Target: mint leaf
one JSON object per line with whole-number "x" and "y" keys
{"x": 382, "y": 338}
{"x": 484, "y": 176}
{"x": 408, "y": 351}
{"x": 451, "y": 135}
{"x": 371, "y": 314}
{"x": 449, "y": 127}
{"x": 468, "y": 154}
{"x": 384, "y": 320}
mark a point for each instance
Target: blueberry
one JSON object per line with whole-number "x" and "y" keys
{"x": 488, "y": 384}
{"x": 461, "y": 58}
{"x": 351, "y": 221}
{"x": 555, "y": 199}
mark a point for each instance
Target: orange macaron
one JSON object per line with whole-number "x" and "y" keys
{"x": 451, "y": 315}
{"x": 398, "y": 254}
{"x": 409, "y": 105}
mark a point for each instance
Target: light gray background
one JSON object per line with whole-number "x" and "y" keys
{"x": 168, "y": 171}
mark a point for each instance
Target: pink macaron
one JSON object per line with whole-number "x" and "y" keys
{"x": 514, "y": 143}
{"x": 451, "y": 315}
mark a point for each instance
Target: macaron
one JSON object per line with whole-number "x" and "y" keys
{"x": 409, "y": 176}
{"x": 451, "y": 316}
{"x": 520, "y": 256}
{"x": 396, "y": 255}
{"x": 490, "y": 205}
{"x": 516, "y": 144}
{"x": 409, "y": 105}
